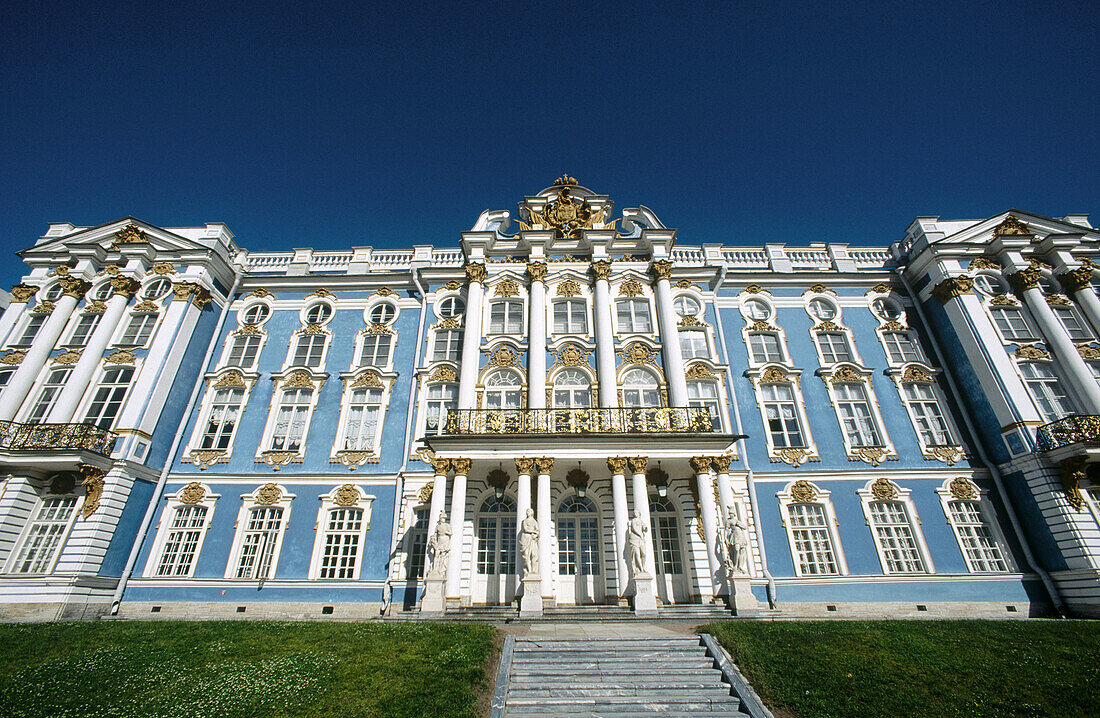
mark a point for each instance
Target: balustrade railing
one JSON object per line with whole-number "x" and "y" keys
{"x": 653, "y": 420}
{"x": 1081, "y": 429}
{"x": 56, "y": 437}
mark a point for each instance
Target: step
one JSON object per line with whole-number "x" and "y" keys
{"x": 534, "y": 674}
{"x": 611, "y": 664}
{"x": 687, "y": 678}
{"x": 581, "y": 642}
{"x": 629, "y": 712}
{"x": 684, "y": 649}
{"x": 644, "y": 692}
{"x": 593, "y": 705}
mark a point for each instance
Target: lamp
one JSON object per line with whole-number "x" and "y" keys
{"x": 499, "y": 490}
{"x": 578, "y": 479}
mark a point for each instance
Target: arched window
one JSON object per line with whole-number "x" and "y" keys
{"x": 666, "y": 535}
{"x": 449, "y": 307}
{"x": 640, "y": 389}
{"x": 383, "y": 313}
{"x": 502, "y": 390}
{"x": 318, "y": 313}
{"x": 578, "y": 537}
{"x": 496, "y": 537}
{"x": 572, "y": 390}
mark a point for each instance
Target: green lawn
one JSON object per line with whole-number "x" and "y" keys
{"x": 247, "y": 669}
{"x": 1006, "y": 669}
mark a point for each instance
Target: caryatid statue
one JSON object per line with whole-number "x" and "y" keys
{"x": 529, "y": 544}
{"x": 737, "y": 542}
{"x": 440, "y": 544}
{"x": 635, "y": 544}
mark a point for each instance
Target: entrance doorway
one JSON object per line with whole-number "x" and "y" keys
{"x": 672, "y": 581}
{"x": 580, "y": 570}
{"x": 495, "y": 549}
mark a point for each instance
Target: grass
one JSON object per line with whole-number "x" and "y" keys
{"x": 842, "y": 669}
{"x": 243, "y": 669}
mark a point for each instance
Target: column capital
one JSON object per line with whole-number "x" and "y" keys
{"x": 461, "y": 466}
{"x": 126, "y": 286}
{"x": 662, "y": 269}
{"x": 638, "y": 464}
{"x": 74, "y": 286}
{"x": 700, "y": 464}
{"x": 441, "y": 466}
{"x": 536, "y": 271}
{"x": 952, "y": 287}
{"x": 1076, "y": 279}
{"x": 23, "y": 293}
{"x": 601, "y": 269}
{"x": 525, "y": 465}
{"x": 544, "y": 464}
{"x": 722, "y": 463}
{"x": 475, "y": 272}
{"x": 198, "y": 294}
{"x": 617, "y": 464}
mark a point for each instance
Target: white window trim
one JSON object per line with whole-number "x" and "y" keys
{"x": 981, "y": 496}
{"x": 817, "y": 331}
{"x": 883, "y": 329}
{"x": 192, "y": 454}
{"x": 708, "y": 339}
{"x": 324, "y": 331}
{"x": 645, "y": 296}
{"x": 41, "y": 494}
{"x": 586, "y": 370}
{"x": 24, "y": 411}
{"x": 328, "y": 503}
{"x": 249, "y": 502}
{"x": 227, "y": 349}
{"x": 1024, "y": 316}
{"x": 820, "y": 497}
{"x": 866, "y": 497}
{"x": 901, "y": 379}
{"x": 582, "y": 297}
{"x": 487, "y": 316}
{"x": 442, "y": 294}
{"x": 696, "y": 368}
{"x": 433, "y": 337}
{"x": 798, "y": 456}
{"x": 175, "y": 501}
{"x": 281, "y": 382}
{"x": 20, "y": 328}
{"x": 1073, "y": 403}
{"x": 370, "y": 331}
{"x": 371, "y": 379}
{"x": 376, "y": 301}
{"x": 70, "y": 330}
{"x": 128, "y": 318}
{"x": 871, "y": 454}
{"x": 97, "y": 379}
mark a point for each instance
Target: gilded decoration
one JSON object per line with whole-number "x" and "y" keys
{"x": 368, "y": 379}
{"x": 204, "y": 458}
{"x": 130, "y": 234}
{"x": 630, "y": 288}
{"x": 803, "y": 492}
{"x": 775, "y": 375}
{"x": 1073, "y": 473}
{"x": 13, "y": 357}
{"x": 544, "y": 465}
{"x": 268, "y": 494}
{"x": 754, "y": 289}
{"x": 68, "y": 357}
{"x": 163, "y": 268}
{"x": 700, "y": 464}
{"x": 443, "y": 373}
{"x": 525, "y": 465}
{"x": 379, "y": 329}
{"x": 475, "y": 272}
{"x": 662, "y": 269}
{"x": 617, "y": 465}
{"x": 893, "y": 325}
{"x": 299, "y": 378}
{"x": 565, "y": 180}
{"x": 61, "y": 270}
{"x": 873, "y": 455}
{"x": 74, "y": 286}
{"x": 193, "y": 493}
{"x": 249, "y": 329}
{"x": 1031, "y": 351}
{"x": 962, "y": 488}
{"x": 453, "y": 286}
{"x": 880, "y": 289}
{"x": 1010, "y": 226}
{"x": 43, "y": 307}
{"x": 354, "y": 459}
{"x": 278, "y": 459}
{"x": 503, "y": 356}
{"x": 687, "y": 284}
{"x": 761, "y": 325}
{"x": 146, "y": 306}
{"x": 983, "y": 263}
{"x": 312, "y": 329}
{"x": 96, "y": 306}
{"x": 1004, "y": 300}
{"x": 23, "y": 293}
{"x": 638, "y": 353}
{"x": 1088, "y": 352}
{"x": 122, "y": 356}
{"x": 637, "y": 464}
{"x": 322, "y": 293}
{"x": 261, "y": 293}
{"x": 440, "y": 466}
{"x": 536, "y": 271}
{"x": 949, "y": 455}
{"x": 448, "y": 323}
{"x": 952, "y": 287}
{"x": 794, "y": 456}
{"x": 92, "y": 482}
{"x": 1040, "y": 264}
{"x": 1058, "y": 300}
{"x": 826, "y": 325}
{"x": 567, "y": 214}
{"x": 425, "y": 494}
{"x": 699, "y": 371}
{"x": 384, "y": 292}
{"x": 198, "y": 294}
{"x": 601, "y": 269}
{"x": 346, "y": 495}
{"x": 722, "y": 463}
{"x": 690, "y": 321}
{"x": 884, "y": 490}
{"x": 507, "y": 288}
{"x": 845, "y": 375}
{"x": 916, "y": 375}
{"x": 1077, "y": 279}
{"x": 819, "y": 289}
{"x": 569, "y": 288}
{"x": 571, "y": 355}
{"x": 1025, "y": 279}
{"x": 231, "y": 378}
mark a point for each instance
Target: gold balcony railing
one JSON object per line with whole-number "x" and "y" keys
{"x": 56, "y": 437}
{"x": 1080, "y": 429}
{"x": 580, "y": 421}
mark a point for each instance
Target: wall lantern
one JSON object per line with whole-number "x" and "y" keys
{"x": 578, "y": 479}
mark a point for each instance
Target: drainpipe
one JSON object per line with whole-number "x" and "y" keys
{"x": 387, "y": 593}
{"x": 742, "y": 445}
{"x": 163, "y": 479}
{"x": 948, "y": 373}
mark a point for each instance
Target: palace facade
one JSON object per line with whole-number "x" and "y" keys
{"x": 191, "y": 429}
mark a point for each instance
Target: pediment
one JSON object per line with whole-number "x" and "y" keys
{"x": 112, "y": 236}
{"x": 982, "y": 232}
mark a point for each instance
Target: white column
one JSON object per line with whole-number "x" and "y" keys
{"x": 1081, "y": 381}
{"x": 458, "y": 525}
{"x": 471, "y": 336}
{"x": 641, "y": 505}
{"x": 439, "y": 495}
{"x": 701, "y": 466}
{"x": 544, "y": 465}
{"x": 1078, "y": 284}
{"x": 617, "y": 465}
{"x": 670, "y": 335}
{"x": 35, "y": 359}
{"x": 725, "y": 490}
{"x": 69, "y": 398}
{"x": 20, "y": 295}
{"x": 524, "y": 467}
{"x": 605, "y": 336}
{"x": 536, "y": 337}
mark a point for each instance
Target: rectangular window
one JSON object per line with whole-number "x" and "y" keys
{"x": 982, "y": 553}
{"x": 782, "y": 416}
{"x": 5, "y": 377}
{"x": 900, "y": 348}
{"x": 1012, "y": 325}
{"x": 694, "y": 344}
{"x": 182, "y": 541}
{"x": 813, "y": 546}
{"x": 309, "y": 350}
{"x": 506, "y": 317}
{"x": 290, "y": 421}
{"x": 834, "y": 347}
{"x": 570, "y": 317}
{"x": 442, "y": 399}
{"x": 340, "y": 558}
{"x": 364, "y": 408}
{"x": 633, "y": 315}
{"x": 43, "y": 539}
{"x": 765, "y": 348}
{"x": 258, "y": 543}
{"x": 447, "y": 345}
{"x": 225, "y": 410}
{"x": 1071, "y": 320}
{"x": 31, "y": 330}
{"x": 376, "y": 350}
{"x": 1050, "y": 397}
{"x": 666, "y": 534}
{"x": 496, "y": 546}
{"x": 84, "y": 329}
{"x": 894, "y": 534}
{"x": 704, "y": 394}
{"x": 107, "y": 400}
{"x": 244, "y": 350}
{"x": 927, "y": 415}
{"x": 47, "y": 396}
{"x": 855, "y": 415}
{"x": 418, "y": 545}
{"x": 138, "y": 330}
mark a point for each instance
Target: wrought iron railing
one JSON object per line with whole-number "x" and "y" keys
{"x": 54, "y": 437}
{"x": 1070, "y": 430}
{"x": 579, "y": 421}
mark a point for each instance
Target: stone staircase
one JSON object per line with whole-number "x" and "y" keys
{"x": 506, "y": 614}
{"x": 672, "y": 676}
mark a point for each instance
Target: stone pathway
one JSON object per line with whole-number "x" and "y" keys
{"x": 652, "y": 670}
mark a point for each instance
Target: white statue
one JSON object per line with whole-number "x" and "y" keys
{"x": 635, "y": 544}
{"x": 737, "y": 542}
{"x": 440, "y": 544}
{"x": 529, "y": 544}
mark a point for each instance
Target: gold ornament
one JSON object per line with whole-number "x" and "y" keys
{"x": 775, "y": 375}
{"x": 544, "y": 465}
{"x": 794, "y": 457}
{"x": 1030, "y": 351}
{"x": 884, "y": 490}
{"x": 503, "y": 356}
{"x": 601, "y": 269}
{"x": 536, "y": 271}
{"x": 300, "y": 378}
{"x": 203, "y": 458}
{"x": 231, "y": 378}
{"x": 819, "y": 289}
{"x": 461, "y": 467}
{"x": 69, "y": 357}
{"x": 347, "y": 495}
{"x": 916, "y": 375}
{"x": 193, "y": 493}
{"x": 638, "y": 353}
{"x": 507, "y": 288}
{"x": 803, "y": 492}
{"x": 268, "y": 494}
{"x": 566, "y": 214}
{"x": 121, "y": 356}
{"x": 524, "y": 466}
{"x": 367, "y": 379}
{"x": 93, "y": 488}
{"x": 637, "y": 464}
{"x": 322, "y": 293}
{"x": 952, "y": 287}
{"x": 1004, "y": 300}
{"x": 443, "y": 373}
{"x": 617, "y": 464}
{"x": 949, "y": 455}
{"x": 14, "y": 357}
{"x": 568, "y": 288}
{"x": 1025, "y": 279}
{"x": 699, "y": 371}
{"x": 1089, "y": 352}
{"x": 1010, "y": 226}
{"x": 425, "y": 494}
{"x": 845, "y": 375}
{"x": 452, "y": 286}
{"x": 74, "y": 287}
{"x": 963, "y": 489}
{"x": 662, "y": 269}
{"x": 983, "y": 263}
{"x": 475, "y": 272}
{"x": 1077, "y": 279}
{"x": 872, "y": 455}
{"x": 23, "y": 293}
{"x": 163, "y": 268}
{"x": 130, "y": 234}
{"x": 700, "y": 464}
{"x": 571, "y": 355}
{"x": 354, "y": 459}
{"x": 630, "y": 288}
{"x": 722, "y": 463}
{"x": 441, "y": 466}
{"x": 43, "y": 307}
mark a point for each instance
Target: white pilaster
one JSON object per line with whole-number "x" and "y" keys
{"x": 20, "y": 295}
{"x": 545, "y": 518}
{"x": 458, "y": 525}
{"x": 670, "y": 336}
{"x": 536, "y": 337}
{"x": 703, "y": 483}
{"x": 617, "y": 465}
{"x": 471, "y": 335}
{"x": 605, "y": 336}
{"x": 1078, "y": 284}
{"x": 641, "y": 505}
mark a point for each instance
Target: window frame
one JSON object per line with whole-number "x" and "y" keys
{"x": 941, "y": 406}
{"x": 425, "y": 407}
{"x": 149, "y": 329}
{"x": 508, "y": 304}
{"x": 1048, "y": 366}
{"x": 167, "y": 515}
{"x": 249, "y": 503}
{"x": 330, "y": 503}
{"x": 448, "y": 343}
{"x": 305, "y": 334}
{"x": 571, "y": 304}
{"x": 820, "y": 498}
{"x": 1003, "y": 311}
{"x": 635, "y": 304}
{"x": 39, "y": 389}
{"x": 756, "y": 360}
{"x": 20, "y": 545}
{"x": 91, "y": 396}
{"x": 368, "y": 381}
{"x": 980, "y": 497}
{"x": 848, "y": 346}
{"x": 903, "y": 496}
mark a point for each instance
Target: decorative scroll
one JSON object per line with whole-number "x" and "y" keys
{"x": 844, "y": 374}
{"x": 983, "y": 263}
{"x": 92, "y": 482}
{"x": 1031, "y": 351}
{"x": 803, "y": 492}
{"x": 819, "y": 289}
{"x": 754, "y": 289}
{"x": 23, "y": 293}
{"x": 193, "y": 493}
{"x": 268, "y": 494}
{"x": 873, "y": 455}
{"x": 278, "y": 459}
{"x": 443, "y": 373}
{"x": 699, "y": 371}
{"x": 571, "y": 355}
{"x": 347, "y": 495}
{"x": 68, "y": 357}
{"x": 916, "y": 375}
{"x": 354, "y": 459}
{"x": 884, "y": 490}
{"x": 1004, "y": 300}
{"x": 569, "y": 288}
{"x": 1010, "y": 226}
{"x": 122, "y": 356}
{"x": 630, "y": 288}
{"x": 601, "y": 269}
{"x": 367, "y": 379}
{"x": 507, "y": 288}
{"x": 503, "y": 356}
{"x": 130, "y": 234}
{"x": 949, "y": 455}
{"x": 163, "y": 268}
{"x": 638, "y": 353}
{"x": 204, "y": 458}
{"x": 962, "y": 488}
{"x": 231, "y": 378}
{"x": 794, "y": 456}
{"x": 452, "y": 286}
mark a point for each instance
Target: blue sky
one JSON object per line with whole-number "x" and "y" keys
{"x": 331, "y": 125}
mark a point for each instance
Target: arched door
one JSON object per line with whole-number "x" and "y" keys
{"x": 580, "y": 569}
{"x": 672, "y": 581}
{"x": 495, "y": 552}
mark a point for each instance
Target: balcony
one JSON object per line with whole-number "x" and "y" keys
{"x": 16, "y": 437}
{"x": 657, "y": 420}
{"x": 1082, "y": 430}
